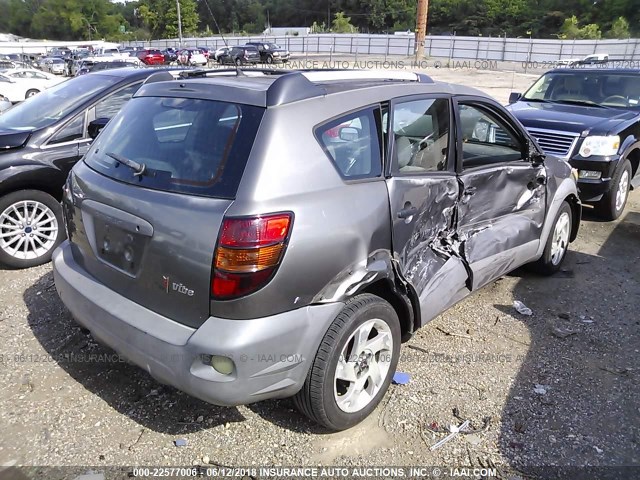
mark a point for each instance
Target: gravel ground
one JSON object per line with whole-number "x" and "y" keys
{"x": 559, "y": 387}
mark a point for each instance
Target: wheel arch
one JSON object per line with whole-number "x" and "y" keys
{"x": 31, "y": 177}
{"x": 634, "y": 158}
{"x": 377, "y": 275}
{"x": 576, "y": 215}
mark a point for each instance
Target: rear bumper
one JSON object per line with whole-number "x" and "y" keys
{"x": 271, "y": 355}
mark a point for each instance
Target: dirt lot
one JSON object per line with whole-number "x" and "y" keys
{"x": 561, "y": 387}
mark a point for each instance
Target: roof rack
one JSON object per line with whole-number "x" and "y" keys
{"x": 294, "y": 85}
{"x": 319, "y": 75}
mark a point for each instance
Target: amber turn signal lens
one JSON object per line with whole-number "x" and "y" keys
{"x": 244, "y": 260}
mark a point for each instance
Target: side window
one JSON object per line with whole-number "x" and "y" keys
{"x": 71, "y": 131}
{"x": 353, "y": 144}
{"x": 108, "y": 107}
{"x": 421, "y": 135}
{"x": 486, "y": 138}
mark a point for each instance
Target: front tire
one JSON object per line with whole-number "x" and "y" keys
{"x": 557, "y": 244}
{"x": 612, "y": 204}
{"x": 30, "y": 228}
{"x": 352, "y": 369}
{"x": 31, "y": 93}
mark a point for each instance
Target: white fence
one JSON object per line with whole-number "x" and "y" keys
{"x": 454, "y": 47}
{"x": 478, "y": 48}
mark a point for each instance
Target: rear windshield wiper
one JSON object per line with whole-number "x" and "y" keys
{"x": 138, "y": 168}
{"x": 580, "y": 102}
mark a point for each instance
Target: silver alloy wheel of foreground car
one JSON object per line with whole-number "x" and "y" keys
{"x": 363, "y": 365}
{"x": 623, "y": 188}
{"x": 28, "y": 230}
{"x": 560, "y": 241}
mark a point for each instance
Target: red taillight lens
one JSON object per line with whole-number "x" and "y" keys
{"x": 255, "y": 231}
{"x": 248, "y": 253}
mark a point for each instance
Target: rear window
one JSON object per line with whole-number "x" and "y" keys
{"x": 191, "y": 146}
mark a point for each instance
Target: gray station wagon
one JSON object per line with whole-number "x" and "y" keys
{"x": 272, "y": 234}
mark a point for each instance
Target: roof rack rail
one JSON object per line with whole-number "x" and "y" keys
{"x": 203, "y": 72}
{"x": 326, "y": 75}
{"x": 294, "y": 85}
{"x": 320, "y": 74}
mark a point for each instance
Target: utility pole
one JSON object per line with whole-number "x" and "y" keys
{"x": 179, "y": 21}
{"x": 421, "y": 27}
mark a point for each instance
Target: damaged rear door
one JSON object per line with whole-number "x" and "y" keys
{"x": 423, "y": 193}
{"x": 502, "y": 203}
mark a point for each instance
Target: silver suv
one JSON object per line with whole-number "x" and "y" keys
{"x": 269, "y": 234}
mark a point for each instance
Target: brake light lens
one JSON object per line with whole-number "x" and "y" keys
{"x": 248, "y": 253}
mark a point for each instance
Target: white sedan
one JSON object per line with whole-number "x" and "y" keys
{"x": 21, "y": 83}
{"x": 191, "y": 57}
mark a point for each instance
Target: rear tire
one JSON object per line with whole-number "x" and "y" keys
{"x": 352, "y": 369}
{"x": 31, "y": 228}
{"x": 613, "y": 202}
{"x": 31, "y": 93}
{"x": 557, "y": 244}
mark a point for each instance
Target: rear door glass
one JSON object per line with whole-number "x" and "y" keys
{"x": 186, "y": 145}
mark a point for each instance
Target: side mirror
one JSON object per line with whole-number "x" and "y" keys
{"x": 348, "y": 134}
{"x": 533, "y": 153}
{"x": 96, "y": 126}
{"x": 514, "y": 97}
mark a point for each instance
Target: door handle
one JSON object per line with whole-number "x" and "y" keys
{"x": 408, "y": 211}
{"x": 469, "y": 191}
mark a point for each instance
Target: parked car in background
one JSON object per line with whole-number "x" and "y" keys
{"x": 246, "y": 54}
{"x": 92, "y": 64}
{"x": 5, "y": 64}
{"x": 19, "y": 89}
{"x": 591, "y": 118}
{"x": 151, "y": 57}
{"x": 271, "y": 52}
{"x": 53, "y": 65}
{"x": 220, "y": 51}
{"x": 201, "y": 251}
{"x": 191, "y": 57}
{"x": 26, "y": 83}
{"x": 72, "y": 61}
{"x": 60, "y": 52}
{"x": 205, "y": 51}
{"x": 40, "y": 140}
{"x": 596, "y": 58}
{"x": 170, "y": 55}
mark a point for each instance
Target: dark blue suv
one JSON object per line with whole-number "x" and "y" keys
{"x": 591, "y": 118}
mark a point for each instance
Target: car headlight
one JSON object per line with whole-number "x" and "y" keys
{"x": 598, "y": 145}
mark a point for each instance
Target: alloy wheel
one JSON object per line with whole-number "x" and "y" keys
{"x": 560, "y": 238}
{"x": 623, "y": 187}
{"x": 28, "y": 229}
{"x": 363, "y": 365}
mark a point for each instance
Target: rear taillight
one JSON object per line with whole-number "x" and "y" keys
{"x": 248, "y": 253}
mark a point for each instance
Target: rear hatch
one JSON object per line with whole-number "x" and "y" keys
{"x": 144, "y": 209}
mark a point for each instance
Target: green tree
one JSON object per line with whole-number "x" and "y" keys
{"x": 619, "y": 29}
{"x": 342, "y": 24}
{"x": 189, "y": 16}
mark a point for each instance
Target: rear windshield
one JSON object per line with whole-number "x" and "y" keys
{"x": 198, "y": 147}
